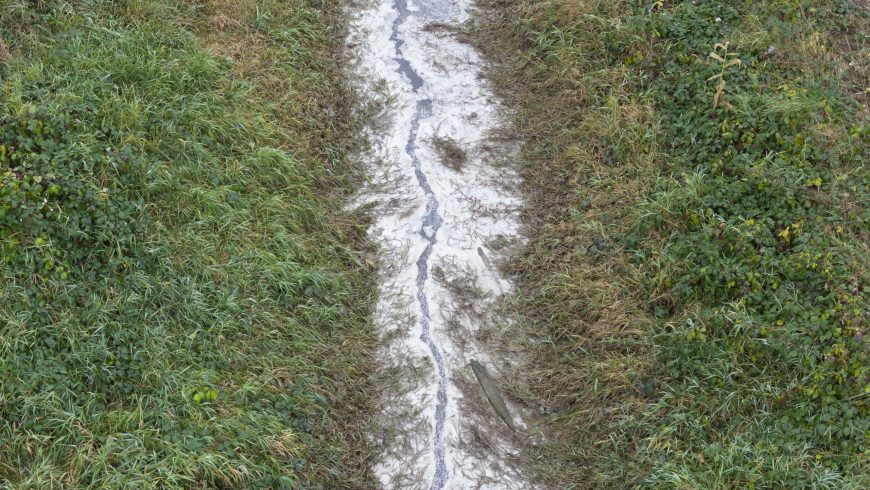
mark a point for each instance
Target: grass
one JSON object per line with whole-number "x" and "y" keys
{"x": 183, "y": 302}
{"x": 697, "y": 284}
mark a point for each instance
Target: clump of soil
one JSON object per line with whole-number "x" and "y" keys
{"x": 452, "y": 155}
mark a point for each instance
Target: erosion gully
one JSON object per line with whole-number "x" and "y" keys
{"x": 445, "y": 215}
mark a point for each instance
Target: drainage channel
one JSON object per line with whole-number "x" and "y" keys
{"x": 429, "y": 231}
{"x": 442, "y": 227}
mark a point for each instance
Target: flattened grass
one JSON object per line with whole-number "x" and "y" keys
{"x": 696, "y": 286}
{"x": 187, "y": 306}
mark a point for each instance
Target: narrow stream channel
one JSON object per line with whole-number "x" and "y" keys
{"x": 446, "y": 212}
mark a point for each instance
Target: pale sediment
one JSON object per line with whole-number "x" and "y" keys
{"x": 441, "y": 230}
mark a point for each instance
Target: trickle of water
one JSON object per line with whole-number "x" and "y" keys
{"x": 436, "y": 225}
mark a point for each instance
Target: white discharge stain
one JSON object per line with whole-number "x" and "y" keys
{"x": 438, "y": 226}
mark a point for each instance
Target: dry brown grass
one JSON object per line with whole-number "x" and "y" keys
{"x": 224, "y": 34}
{"x": 5, "y": 55}
{"x": 229, "y": 32}
{"x": 575, "y": 282}
{"x": 458, "y": 32}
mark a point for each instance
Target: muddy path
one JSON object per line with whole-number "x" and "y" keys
{"x": 445, "y": 204}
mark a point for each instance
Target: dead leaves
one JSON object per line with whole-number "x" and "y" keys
{"x": 726, "y": 60}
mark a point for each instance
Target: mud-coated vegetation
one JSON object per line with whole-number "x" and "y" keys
{"x": 183, "y": 303}
{"x": 696, "y": 285}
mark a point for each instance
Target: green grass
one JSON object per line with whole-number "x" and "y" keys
{"x": 183, "y": 302}
{"x": 698, "y": 280}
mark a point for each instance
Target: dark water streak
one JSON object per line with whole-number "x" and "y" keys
{"x": 429, "y": 232}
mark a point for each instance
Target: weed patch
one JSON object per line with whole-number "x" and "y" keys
{"x": 699, "y": 272}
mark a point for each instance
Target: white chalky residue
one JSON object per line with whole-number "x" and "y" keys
{"x": 432, "y": 221}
